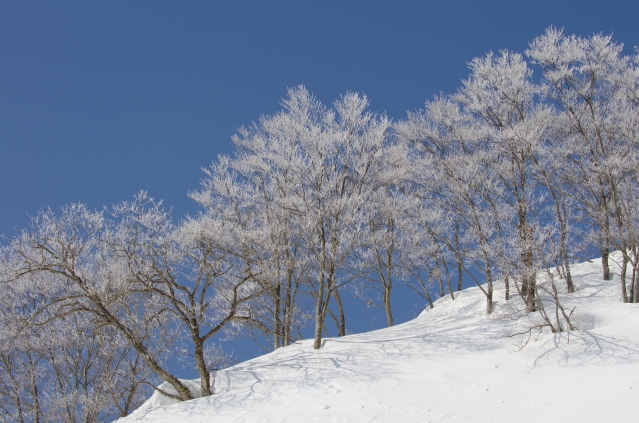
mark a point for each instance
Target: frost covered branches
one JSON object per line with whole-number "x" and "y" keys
{"x": 521, "y": 167}
{"x": 508, "y": 180}
{"x": 309, "y": 177}
{"x": 129, "y": 273}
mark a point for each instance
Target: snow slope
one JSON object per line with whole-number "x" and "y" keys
{"x": 452, "y": 363}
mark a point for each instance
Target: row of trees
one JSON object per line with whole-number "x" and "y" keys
{"x": 506, "y": 177}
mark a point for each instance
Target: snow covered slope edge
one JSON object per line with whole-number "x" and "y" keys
{"x": 452, "y": 362}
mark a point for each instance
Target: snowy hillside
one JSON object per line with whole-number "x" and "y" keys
{"x": 452, "y": 363}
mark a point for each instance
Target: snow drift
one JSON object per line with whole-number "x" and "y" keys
{"x": 451, "y": 363}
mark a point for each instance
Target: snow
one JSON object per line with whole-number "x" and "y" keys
{"x": 452, "y": 363}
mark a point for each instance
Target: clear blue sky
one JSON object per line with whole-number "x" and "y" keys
{"x": 101, "y": 99}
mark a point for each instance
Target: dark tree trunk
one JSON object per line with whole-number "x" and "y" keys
{"x": 489, "y": 284}
{"x": 320, "y": 316}
{"x": 564, "y": 258}
{"x": 507, "y": 294}
{"x": 205, "y": 376}
{"x": 277, "y": 323}
{"x": 387, "y": 305}
{"x": 459, "y": 259}
{"x": 605, "y": 254}
{"x": 341, "y": 327}
{"x": 635, "y": 288}
{"x": 288, "y": 310}
{"x": 385, "y": 272}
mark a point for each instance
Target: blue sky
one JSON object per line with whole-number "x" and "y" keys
{"x": 101, "y": 99}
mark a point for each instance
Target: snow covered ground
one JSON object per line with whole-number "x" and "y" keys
{"x": 452, "y": 363}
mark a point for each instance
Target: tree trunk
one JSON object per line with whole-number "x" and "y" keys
{"x": 387, "y": 305}
{"x": 635, "y": 288}
{"x": 507, "y": 294}
{"x": 624, "y": 292}
{"x": 528, "y": 290}
{"x": 205, "y": 376}
{"x": 341, "y": 328}
{"x": 183, "y": 392}
{"x": 489, "y": 296}
{"x": 323, "y": 291}
{"x": 35, "y": 391}
{"x": 631, "y": 296}
{"x": 288, "y": 310}
{"x": 605, "y": 253}
{"x": 564, "y": 257}
{"x": 319, "y": 316}
{"x": 570, "y": 286}
{"x": 458, "y": 257}
{"x": 450, "y": 287}
{"x": 277, "y": 325}
{"x": 489, "y": 284}
{"x": 388, "y": 287}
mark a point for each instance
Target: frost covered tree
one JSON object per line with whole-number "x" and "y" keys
{"x": 64, "y": 368}
{"x": 380, "y": 262}
{"x": 186, "y": 270}
{"x": 457, "y": 184}
{"x": 478, "y": 148}
{"x": 591, "y": 84}
{"x": 253, "y": 193}
{"x": 156, "y": 284}
{"x": 497, "y": 180}
{"x": 317, "y": 168}
{"x": 500, "y": 94}
{"x": 84, "y": 275}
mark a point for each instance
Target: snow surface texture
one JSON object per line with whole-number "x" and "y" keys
{"x": 452, "y": 363}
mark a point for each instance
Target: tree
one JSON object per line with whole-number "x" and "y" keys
{"x": 187, "y": 269}
{"x": 456, "y": 182}
{"x": 84, "y": 275}
{"x": 316, "y": 169}
{"x": 587, "y": 80}
{"x": 253, "y": 193}
{"x": 138, "y": 273}
{"x": 386, "y": 243}
{"x": 63, "y": 369}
